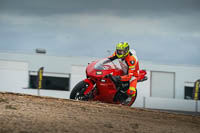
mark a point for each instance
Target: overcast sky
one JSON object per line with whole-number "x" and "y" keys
{"x": 162, "y": 31}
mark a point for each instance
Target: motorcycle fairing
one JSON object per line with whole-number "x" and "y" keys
{"x": 90, "y": 86}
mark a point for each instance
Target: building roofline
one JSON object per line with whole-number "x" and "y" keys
{"x": 88, "y": 57}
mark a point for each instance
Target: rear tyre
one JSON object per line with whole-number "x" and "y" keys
{"x": 130, "y": 100}
{"x": 78, "y": 91}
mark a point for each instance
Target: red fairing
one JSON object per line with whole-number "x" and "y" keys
{"x": 90, "y": 86}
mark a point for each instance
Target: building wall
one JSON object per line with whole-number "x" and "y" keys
{"x": 13, "y": 75}
{"x": 16, "y": 68}
{"x": 53, "y": 65}
{"x": 170, "y": 104}
{"x": 56, "y": 64}
{"x": 143, "y": 90}
{"x": 77, "y": 74}
{"x": 183, "y": 73}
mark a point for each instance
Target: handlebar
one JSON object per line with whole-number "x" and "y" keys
{"x": 144, "y": 79}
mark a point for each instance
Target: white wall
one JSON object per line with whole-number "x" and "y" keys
{"x": 170, "y": 104}
{"x": 55, "y": 64}
{"x": 13, "y": 76}
{"x": 198, "y": 106}
{"x": 52, "y": 64}
{"x": 183, "y": 73}
{"x": 142, "y": 91}
{"x": 77, "y": 74}
{"x": 54, "y": 93}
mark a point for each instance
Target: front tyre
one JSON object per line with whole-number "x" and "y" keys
{"x": 77, "y": 92}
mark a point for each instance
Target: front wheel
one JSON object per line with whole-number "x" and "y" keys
{"x": 78, "y": 91}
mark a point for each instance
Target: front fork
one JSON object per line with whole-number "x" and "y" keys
{"x": 89, "y": 87}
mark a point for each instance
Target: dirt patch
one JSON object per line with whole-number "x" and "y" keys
{"x": 30, "y": 114}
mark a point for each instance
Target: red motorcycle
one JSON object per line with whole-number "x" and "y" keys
{"x": 101, "y": 86}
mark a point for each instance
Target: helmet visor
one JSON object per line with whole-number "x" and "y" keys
{"x": 120, "y": 52}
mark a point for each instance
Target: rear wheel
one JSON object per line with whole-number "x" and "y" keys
{"x": 78, "y": 91}
{"x": 130, "y": 100}
{"x": 124, "y": 99}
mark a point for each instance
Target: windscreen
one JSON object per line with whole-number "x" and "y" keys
{"x": 106, "y": 64}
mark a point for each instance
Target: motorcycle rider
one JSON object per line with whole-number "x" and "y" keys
{"x": 130, "y": 65}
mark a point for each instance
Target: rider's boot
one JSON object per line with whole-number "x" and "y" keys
{"x": 131, "y": 92}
